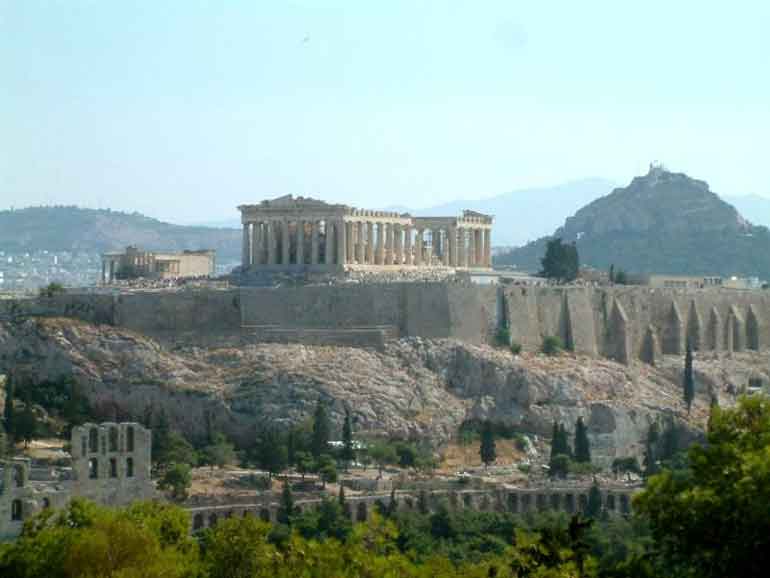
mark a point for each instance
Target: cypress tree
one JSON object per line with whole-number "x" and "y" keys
{"x": 286, "y": 509}
{"x": 582, "y": 444}
{"x": 555, "y": 440}
{"x": 594, "y": 505}
{"x": 564, "y": 441}
{"x": 348, "y": 453}
{"x": 650, "y": 459}
{"x": 321, "y": 431}
{"x": 341, "y": 497}
{"x": 9, "y": 414}
{"x": 488, "y": 450}
{"x": 689, "y": 380}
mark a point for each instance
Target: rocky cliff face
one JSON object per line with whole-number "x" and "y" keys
{"x": 413, "y": 387}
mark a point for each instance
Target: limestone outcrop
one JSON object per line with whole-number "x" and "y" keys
{"x": 412, "y": 387}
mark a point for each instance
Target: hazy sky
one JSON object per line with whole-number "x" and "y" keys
{"x": 184, "y": 109}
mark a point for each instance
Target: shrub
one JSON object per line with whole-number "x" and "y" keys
{"x": 515, "y": 348}
{"x": 552, "y": 345}
{"x": 52, "y": 289}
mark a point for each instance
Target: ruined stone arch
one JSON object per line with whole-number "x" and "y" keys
{"x": 752, "y": 329}
{"x": 361, "y": 512}
{"x": 734, "y": 331}
{"x": 197, "y": 522}
{"x": 93, "y": 440}
{"x": 694, "y": 328}
{"x": 650, "y": 346}
{"x": 671, "y": 342}
{"x": 715, "y": 330}
{"x": 17, "y": 511}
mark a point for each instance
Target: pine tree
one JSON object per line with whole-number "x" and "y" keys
{"x": 594, "y": 504}
{"x": 161, "y": 433}
{"x": 689, "y": 380}
{"x": 341, "y": 496}
{"x": 348, "y": 452}
{"x": 582, "y": 444}
{"x": 650, "y": 461}
{"x": 392, "y": 504}
{"x": 488, "y": 449}
{"x": 286, "y": 509}
{"x": 9, "y": 414}
{"x": 291, "y": 449}
{"x": 321, "y": 430}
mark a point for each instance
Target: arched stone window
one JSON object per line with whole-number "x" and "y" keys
{"x": 46, "y": 503}
{"x": 93, "y": 468}
{"x": 541, "y": 502}
{"x": 16, "y": 511}
{"x": 113, "y": 439}
{"x": 467, "y": 501}
{"x": 570, "y": 503}
{"x": 113, "y": 468}
{"x": 264, "y": 515}
{"x": 212, "y": 520}
{"x": 93, "y": 440}
{"x": 83, "y": 445}
{"x": 583, "y": 502}
{"x": 611, "y": 502}
{"x": 526, "y": 502}
{"x": 625, "y": 504}
{"x": 361, "y": 512}
{"x": 197, "y": 522}
{"x": 130, "y": 439}
{"x": 513, "y": 503}
{"x": 129, "y": 467}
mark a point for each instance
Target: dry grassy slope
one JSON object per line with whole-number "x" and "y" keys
{"x": 414, "y": 387}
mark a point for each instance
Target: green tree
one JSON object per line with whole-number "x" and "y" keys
{"x": 561, "y": 261}
{"x": 552, "y": 345}
{"x": 487, "y": 449}
{"x": 559, "y": 466}
{"x": 327, "y": 470}
{"x": 582, "y": 444}
{"x": 594, "y": 504}
{"x": 348, "y": 453}
{"x": 650, "y": 459}
{"x": 9, "y": 415}
{"x": 304, "y": 463}
{"x": 407, "y": 454}
{"x": 689, "y": 379}
{"x": 287, "y": 509}
{"x": 271, "y": 452}
{"x": 321, "y": 430}
{"x": 27, "y": 423}
{"x": 239, "y": 548}
{"x": 219, "y": 452}
{"x": 711, "y": 520}
{"x": 628, "y": 465}
{"x": 51, "y": 290}
{"x": 177, "y": 479}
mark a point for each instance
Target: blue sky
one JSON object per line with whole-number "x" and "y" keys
{"x": 184, "y": 109}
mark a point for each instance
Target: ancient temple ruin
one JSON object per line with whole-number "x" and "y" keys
{"x": 291, "y": 233}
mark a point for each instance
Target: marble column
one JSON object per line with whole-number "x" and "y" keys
{"x": 360, "y": 243}
{"x": 461, "y": 253}
{"x": 349, "y": 245}
{"x": 300, "y": 242}
{"x": 256, "y": 244}
{"x": 389, "y": 243}
{"x": 380, "y": 250}
{"x": 370, "y": 243}
{"x": 270, "y": 227}
{"x": 435, "y": 238}
{"x": 479, "y": 239}
{"x": 487, "y": 247}
{"x": 452, "y": 242}
{"x": 399, "y": 234}
{"x": 444, "y": 247}
{"x": 342, "y": 238}
{"x": 408, "y": 245}
{"x": 418, "y": 247}
{"x": 314, "y": 242}
{"x": 285, "y": 243}
{"x": 329, "y": 231}
{"x": 245, "y": 251}
{"x": 472, "y": 248}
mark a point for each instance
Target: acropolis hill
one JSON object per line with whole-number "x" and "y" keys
{"x": 408, "y": 357}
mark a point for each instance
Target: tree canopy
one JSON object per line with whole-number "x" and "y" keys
{"x": 561, "y": 261}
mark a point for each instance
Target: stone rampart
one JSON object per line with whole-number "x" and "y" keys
{"x": 623, "y": 323}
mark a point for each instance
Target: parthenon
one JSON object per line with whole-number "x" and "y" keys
{"x": 290, "y": 233}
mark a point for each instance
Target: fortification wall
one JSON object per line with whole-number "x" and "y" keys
{"x": 622, "y": 323}
{"x": 626, "y": 323}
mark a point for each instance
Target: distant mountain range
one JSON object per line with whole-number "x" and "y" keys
{"x": 90, "y": 230}
{"x": 662, "y": 222}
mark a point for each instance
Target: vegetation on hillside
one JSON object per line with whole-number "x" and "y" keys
{"x": 66, "y": 228}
